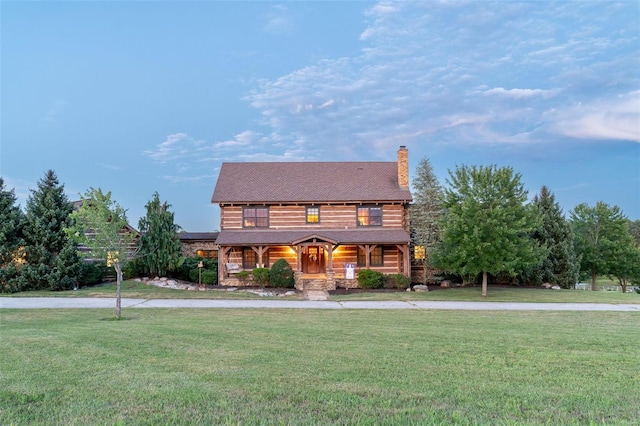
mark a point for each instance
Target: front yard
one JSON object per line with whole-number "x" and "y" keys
{"x": 202, "y": 366}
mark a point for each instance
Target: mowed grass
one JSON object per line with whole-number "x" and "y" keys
{"x": 499, "y": 294}
{"x": 138, "y": 290}
{"x": 179, "y": 366}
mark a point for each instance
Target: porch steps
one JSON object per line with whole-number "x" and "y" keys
{"x": 316, "y": 294}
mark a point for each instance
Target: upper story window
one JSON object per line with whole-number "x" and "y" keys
{"x": 255, "y": 217}
{"x": 313, "y": 214}
{"x": 369, "y": 216}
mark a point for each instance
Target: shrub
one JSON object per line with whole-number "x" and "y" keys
{"x": 398, "y": 281}
{"x": 243, "y": 276}
{"x": 261, "y": 276}
{"x": 185, "y": 271}
{"x": 92, "y": 273}
{"x": 281, "y": 274}
{"x": 9, "y": 282}
{"x": 209, "y": 277}
{"x": 133, "y": 269}
{"x": 368, "y": 278}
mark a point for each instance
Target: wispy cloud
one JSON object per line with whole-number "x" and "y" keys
{"x": 279, "y": 20}
{"x": 52, "y": 115}
{"x": 447, "y": 73}
{"x": 464, "y": 73}
{"x": 613, "y": 119}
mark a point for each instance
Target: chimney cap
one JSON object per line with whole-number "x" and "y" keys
{"x": 402, "y": 146}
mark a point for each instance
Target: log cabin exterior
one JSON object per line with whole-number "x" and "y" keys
{"x": 201, "y": 244}
{"x": 329, "y": 220}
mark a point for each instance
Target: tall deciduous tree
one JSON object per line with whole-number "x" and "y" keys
{"x": 487, "y": 225}
{"x": 51, "y": 258}
{"x": 101, "y": 225}
{"x": 560, "y": 266}
{"x": 160, "y": 247}
{"x": 11, "y": 224}
{"x": 601, "y": 233}
{"x": 426, "y": 209}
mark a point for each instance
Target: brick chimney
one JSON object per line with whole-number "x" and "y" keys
{"x": 403, "y": 167}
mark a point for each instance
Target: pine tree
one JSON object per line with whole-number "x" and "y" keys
{"x": 427, "y": 205}
{"x": 560, "y": 266}
{"x": 11, "y": 224}
{"x": 425, "y": 211}
{"x": 51, "y": 259}
{"x": 160, "y": 248}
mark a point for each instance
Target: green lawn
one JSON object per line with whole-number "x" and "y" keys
{"x": 138, "y": 290}
{"x": 500, "y": 294}
{"x": 133, "y": 289}
{"x": 201, "y": 366}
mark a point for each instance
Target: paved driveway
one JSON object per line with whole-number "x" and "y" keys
{"x": 109, "y": 303}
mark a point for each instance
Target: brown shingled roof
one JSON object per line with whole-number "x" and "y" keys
{"x": 338, "y": 236}
{"x": 197, "y": 236}
{"x": 305, "y": 182}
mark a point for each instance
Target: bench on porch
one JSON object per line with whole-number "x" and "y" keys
{"x": 232, "y": 268}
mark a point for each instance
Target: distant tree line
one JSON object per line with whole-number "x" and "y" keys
{"x": 482, "y": 227}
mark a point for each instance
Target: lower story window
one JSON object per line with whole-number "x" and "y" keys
{"x": 250, "y": 258}
{"x": 376, "y": 258}
{"x": 209, "y": 254}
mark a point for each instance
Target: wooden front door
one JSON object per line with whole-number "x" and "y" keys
{"x": 314, "y": 260}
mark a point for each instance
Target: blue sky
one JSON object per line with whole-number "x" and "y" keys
{"x": 137, "y": 97}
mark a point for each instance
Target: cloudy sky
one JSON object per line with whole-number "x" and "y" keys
{"x": 137, "y": 97}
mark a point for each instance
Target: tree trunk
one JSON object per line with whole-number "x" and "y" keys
{"x": 593, "y": 282}
{"x": 484, "y": 283}
{"x": 118, "y": 282}
{"x": 623, "y": 284}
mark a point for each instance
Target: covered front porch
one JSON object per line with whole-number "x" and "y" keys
{"x": 322, "y": 261}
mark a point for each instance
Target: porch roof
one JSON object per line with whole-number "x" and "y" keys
{"x": 292, "y": 237}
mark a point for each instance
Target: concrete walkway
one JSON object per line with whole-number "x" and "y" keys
{"x": 109, "y": 303}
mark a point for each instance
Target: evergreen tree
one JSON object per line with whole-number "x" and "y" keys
{"x": 51, "y": 259}
{"x": 101, "y": 225}
{"x": 634, "y": 230}
{"x": 11, "y": 224}
{"x": 160, "y": 247}
{"x": 601, "y": 236}
{"x": 561, "y": 266}
{"x": 487, "y": 225}
{"x": 426, "y": 209}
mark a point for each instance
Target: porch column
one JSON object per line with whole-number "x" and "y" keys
{"x": 298, "y": 259}
{"x": 223, "y": 257}
{"x": 404, "y": 265}
{"x": 329, "y": 249}
{"x": 259, "y": 251}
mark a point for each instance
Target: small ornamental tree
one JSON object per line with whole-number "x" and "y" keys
{"x": 487, "y": 225}
{"x": 11, "y": 223}
{"x": 51, "y": 260}
{"x": 101, "y": 225}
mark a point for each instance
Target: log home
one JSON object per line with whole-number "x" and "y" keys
{"x": 329, "y": 220}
